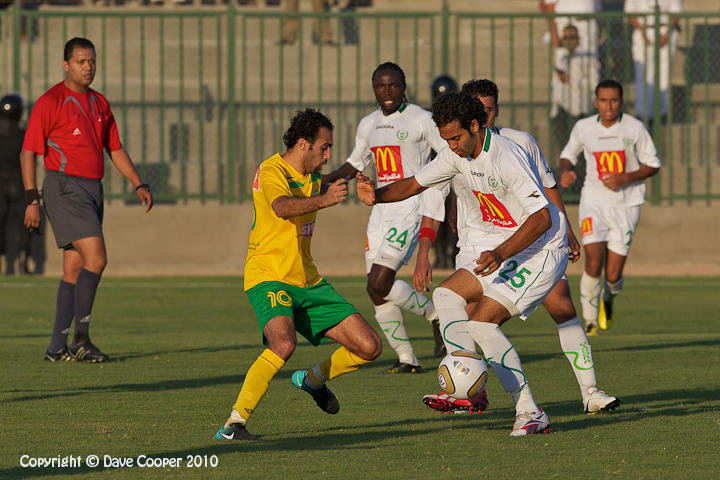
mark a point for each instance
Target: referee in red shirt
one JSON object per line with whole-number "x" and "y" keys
{"x": 69, "y": 126}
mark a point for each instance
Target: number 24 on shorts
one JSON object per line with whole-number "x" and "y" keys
{"x": 518, "y": 280}
{"x": 401, "y": 239}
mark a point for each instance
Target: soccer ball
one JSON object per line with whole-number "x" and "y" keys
{"x": 462, "y": 374}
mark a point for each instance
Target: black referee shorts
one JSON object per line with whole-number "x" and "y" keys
{"x": 74, "y": 206}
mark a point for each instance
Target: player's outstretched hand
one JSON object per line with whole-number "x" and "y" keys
{"x": 365, "y": 189}
{"x": 574, "y": 246}
{"x": 488, "y": 262}
{"x": 567, "y": 178}
{"x": 422, "y": 277}
{"x": 143, "y": 193}
{"x": 337, "y": 192}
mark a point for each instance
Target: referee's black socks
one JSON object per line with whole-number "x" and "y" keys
{"x": 63, "y": 316}
{"x": 85, "y": 288}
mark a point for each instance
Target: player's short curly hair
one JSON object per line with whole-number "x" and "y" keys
{"x": 481, "y": 88}
{"x": 390, "y": 66}
{"x": 76, "y": 42}
{"x": 305, "y": 124}
{"x": 458, "y": 106}
{"x": 609, "y": 83}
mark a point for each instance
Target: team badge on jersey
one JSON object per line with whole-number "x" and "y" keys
{"x": 388, "y": 162}
{"x": 402, "y": 135}
{"x": 609, "y": 162}
{"x": 494, "y": 211}
{"x": 586, "y": 226}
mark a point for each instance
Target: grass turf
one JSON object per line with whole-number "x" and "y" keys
{"x": 180, "y": 347}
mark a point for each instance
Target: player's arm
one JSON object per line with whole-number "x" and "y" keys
{"x": 554, "y": 196}
{"x": 535, "y": 225}
{"x": 613, "y": 181}
{"x": 422, "y": 276}
{"x": 32, "y": 209}
{"x": 122, "y": 162}
{"x": 287, "y": 207}
{"x": 344, "y": 171}
{"x": 395, "y": 192}
{"x": 567, "y": 173}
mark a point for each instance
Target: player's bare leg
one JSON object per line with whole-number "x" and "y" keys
{"x": 390, "y": 296}
{"x": 360, "y": 345}
{"x": 590, "y": 284}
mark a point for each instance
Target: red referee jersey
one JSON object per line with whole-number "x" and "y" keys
{"x": 71, "y": 129}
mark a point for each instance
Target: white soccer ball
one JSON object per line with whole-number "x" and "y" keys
{"x": 462, "y": 374}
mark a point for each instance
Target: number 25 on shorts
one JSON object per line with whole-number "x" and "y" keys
{"x": 518, "y": 280}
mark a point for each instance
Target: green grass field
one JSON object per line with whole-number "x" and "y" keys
{"x": 180, "y": 348}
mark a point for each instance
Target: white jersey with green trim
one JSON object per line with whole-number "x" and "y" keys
{"x": 398, "y": 145}
{"x": 621, "y": 147}
{"x": 530, "y": 145}
{"x": 497, "y": 192}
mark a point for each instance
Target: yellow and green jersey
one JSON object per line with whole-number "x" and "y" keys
{"x": 279, "y": 249}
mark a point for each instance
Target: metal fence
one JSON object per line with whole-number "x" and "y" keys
{"x": 202, "y": 97}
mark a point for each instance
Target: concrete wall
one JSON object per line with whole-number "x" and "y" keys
{"x": 212, "y": 240}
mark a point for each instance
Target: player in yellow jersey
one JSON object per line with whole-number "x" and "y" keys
{"x": 282, "y": 283}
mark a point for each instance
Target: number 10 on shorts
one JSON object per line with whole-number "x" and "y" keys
{"x": 281, "y": 297}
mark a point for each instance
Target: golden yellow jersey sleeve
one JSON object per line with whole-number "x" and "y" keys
{"x": 279, "y": 249}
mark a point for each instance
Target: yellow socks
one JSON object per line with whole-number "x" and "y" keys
{"x": 340, "y": 362}
{"x": 256, "y": 384}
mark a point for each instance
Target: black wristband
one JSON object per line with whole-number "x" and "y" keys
{"x": 32, "y": 196}
{"x": 143, "y": 185}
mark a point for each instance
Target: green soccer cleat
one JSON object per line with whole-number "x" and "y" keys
{"x": 234, "y": 431}
{"x": 323, "y": 397}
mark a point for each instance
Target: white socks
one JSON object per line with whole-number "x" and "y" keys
{"x": 390, "y": 318}
{"x": 403, "y": 295}
{"x": 453, "y": 320}
{"x": 577, "y": 349}
{"x": 589, "y": 297}
{"x": 505, "y": 363}
{"x": 613, "y": 289}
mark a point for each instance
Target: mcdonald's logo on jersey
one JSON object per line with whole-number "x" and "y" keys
{"x": 586, "y": 226}
{"x": 494, "y": 211}
{"x": 388, "y": 162}
{"x": 609, "y": 162}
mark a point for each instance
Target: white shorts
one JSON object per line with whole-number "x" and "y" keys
{"x": 391, "y": 242}
{"x": 523, "y": 281}
{"x": 614, "y": 225}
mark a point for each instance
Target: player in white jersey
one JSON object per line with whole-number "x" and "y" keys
{"x": 558, "y": 302}
{"x": 619, "y": 156}
{"x": 397, "y": 139}
{"x": 525, "y": 253}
